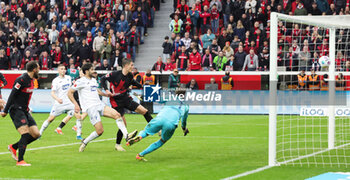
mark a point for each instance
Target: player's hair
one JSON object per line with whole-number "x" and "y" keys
{"x": 30, "y": 66}
{"x": 126, "y": 62}
{"x": 86, "y": 67}
{"x": 60, "y": 65}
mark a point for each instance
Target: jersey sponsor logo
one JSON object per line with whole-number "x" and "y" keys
{"x": 93, "y": 88}
{"x": 17, "y": 86}
{"x": 65, "y": 86}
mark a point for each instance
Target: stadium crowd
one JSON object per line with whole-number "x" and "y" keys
{"x": 233, "y": 35}
{"x": 72, "y": 32}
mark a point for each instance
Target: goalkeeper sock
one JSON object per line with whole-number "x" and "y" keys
{"x": 152, "y": 148}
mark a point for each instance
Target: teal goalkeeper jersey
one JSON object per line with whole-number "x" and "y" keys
{"x": 173, "y": 114}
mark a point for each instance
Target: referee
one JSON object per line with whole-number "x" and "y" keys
{"x": 17, "y": 105}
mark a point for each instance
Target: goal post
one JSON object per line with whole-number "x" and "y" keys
{"x": 296, "y": 44}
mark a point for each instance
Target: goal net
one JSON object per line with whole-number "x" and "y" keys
{"x": 309, "y": 120}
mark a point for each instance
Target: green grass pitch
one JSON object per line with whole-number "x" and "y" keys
{"x": 218, "y": 146}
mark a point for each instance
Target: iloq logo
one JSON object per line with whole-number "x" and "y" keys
{"x": 313, "y": 111}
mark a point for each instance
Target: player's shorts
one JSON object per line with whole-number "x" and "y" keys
{"x": 59, "y": 109}
{"x": 95, "y": 113}
{"x": 21, "y": 118}
{"x": 125, "y": 102}
{"x": 155, "y": 125}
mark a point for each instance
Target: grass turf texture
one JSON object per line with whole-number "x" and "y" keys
{"x": 218, "y": 146}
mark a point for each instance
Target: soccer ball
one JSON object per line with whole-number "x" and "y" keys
{"x": 324, "y": 61}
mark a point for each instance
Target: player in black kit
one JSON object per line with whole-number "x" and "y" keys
{"x": 17, "y": 105}
{"x": 118, "y": 91}
{"x": 3, "y": 83}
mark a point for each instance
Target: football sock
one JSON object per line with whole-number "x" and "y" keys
{"x": 31, "y": 139}
{"x": 152, "y": 148}
{"x": 79, "y": 126}
{"x": 62, "y": 125}
{"x": 148, "y": 116}
{"x": 119, "y": 137}
{"x": 44, "y": 126}
{"x": 22, "y": 145}
{"x": 15, "y": 146}
{"x": 121, "y": 126}
{"x": 91, "y": 137}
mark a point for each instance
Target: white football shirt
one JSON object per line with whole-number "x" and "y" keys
{"x": 87, "y": 90}
{"x": 61, "y": 87}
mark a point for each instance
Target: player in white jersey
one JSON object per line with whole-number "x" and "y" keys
{"x": 90, "y": 102}
{"x": 59, "y": 90}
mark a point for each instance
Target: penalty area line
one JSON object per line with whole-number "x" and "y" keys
{"x": 60, "y": 145}
{"x": 248, "y": 173}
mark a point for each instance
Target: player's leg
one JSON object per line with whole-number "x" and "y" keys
{"x": 78, "y": 125}
{"x": 167, "y": 133}
{"x": 112, "y": 113}
{"x": 142, "y": 110}
{"x": 119, "y": 138}
{"x": 151, "y": 128}
{"x": 70, "y": 113}
{"x": 46, "y": 123}
{"x": 95, "y": 120}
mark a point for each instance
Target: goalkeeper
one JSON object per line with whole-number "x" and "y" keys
{"x": 166, "y": 121}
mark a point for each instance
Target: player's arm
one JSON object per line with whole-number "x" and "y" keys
{"x": 72, "y": 99}
{"x": 102, "y": 93}
{"x": 54, "y": 96}
{"x": 135, "y": 83}
{"x": 16, "y": 88}
{"x": 2, "y": 78}
{"x": 184, "y": 121}
{"x": 104, "y": 80}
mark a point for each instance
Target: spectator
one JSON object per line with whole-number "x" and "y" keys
{"x": 23, "y": 21}
{"x": 166, "y": 48}
{"x": 214, "y": 48}
{"x": 230, "y": 64}
{"x": 57, "y": 57}
{"x": 227, "y": 8}
{"x": 140, "y": 18}
{"x": 313, "y": 81}
{"x": 264, "y": 59}
{"x": 132, "y": 36}
{"x": 214, "y": 17}
{"x": 4, "y": 61}
{"x": 137, "y": 77}
{"x": 205, "y": 19}
{"x": 169, "y": 66}
{"x": 97, "y": 44}
{"x": 207, "y": 61}
{"x": 228, "y": 51}
{"x": 174, "y": 80}
{"x": 175, "y": 25}
{"x": 195, "y": 60}
{"x": 104, "y": 66}
{"x": 207, "y": 39}
{"x": 192, "y": 85}
{"x": 300, "y": 10}
{"x": 302, "y": 80}
{"x": 15, "y": 59}
{"x": 251, "y": 62}
{"x": 53, "y": 34}
{"x": 122, "y": 24}
{"x": 240, "y": 57}
{"x": 73, "y": 72}
{"x": 159, "y": 65}
{"x": 223, "y": 38}
{"x": 45, "y": 61}
{"x": 226, "y": 82}
{"x": 194, "y": 15}
{"x": 219, "y": 61}
{"x": 105, "y": 50}
{"x": 182, "y": 59}
{"x": 116, "y": 60}
{"x": 148, "y": 78}
{"x": 304, "y": 58}
{"x": 322, "y": 5}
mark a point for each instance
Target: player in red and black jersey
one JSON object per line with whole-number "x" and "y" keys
{"x": 2, "y": 83}
{"x": 118, "y": 91}
{"x": 17, "y": 105}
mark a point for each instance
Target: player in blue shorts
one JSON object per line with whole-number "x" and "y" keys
{"x": 166, "y": 121}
